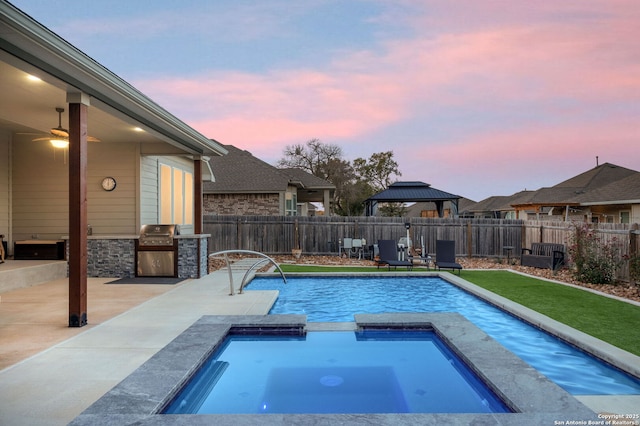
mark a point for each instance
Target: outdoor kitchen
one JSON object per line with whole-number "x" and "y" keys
{"x": 158, "y": 251}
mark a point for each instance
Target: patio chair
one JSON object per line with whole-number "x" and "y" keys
{"x": 356, "y": 248}
{"x": 446, "y": 255}
{"x": 347, "y": 245}
{"x": 388, "y": 252}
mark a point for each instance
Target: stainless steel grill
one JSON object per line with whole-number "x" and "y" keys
{"x": 157, "y": 251}
{"x": 158, "y": 235}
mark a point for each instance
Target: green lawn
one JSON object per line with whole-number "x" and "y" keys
{"x": 615, "y": 322}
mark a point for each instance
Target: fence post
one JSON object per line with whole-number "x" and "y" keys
{"x": 541, "y": 233}
{"x": 469, "y": 240}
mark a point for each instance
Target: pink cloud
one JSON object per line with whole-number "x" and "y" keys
{"x": 570, "y": 69}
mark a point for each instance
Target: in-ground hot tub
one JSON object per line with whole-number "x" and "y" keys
{"x": 144, "y": 395}
{"x": 368, "y": 371}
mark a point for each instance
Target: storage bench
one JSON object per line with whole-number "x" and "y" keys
{"x": 39, "y": 250}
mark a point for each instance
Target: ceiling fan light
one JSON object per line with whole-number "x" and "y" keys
{"x": 59, "y": 143}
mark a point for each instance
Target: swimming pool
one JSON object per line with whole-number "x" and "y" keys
{"x": 403, "y": 371}
{"x": 336, "y": 299}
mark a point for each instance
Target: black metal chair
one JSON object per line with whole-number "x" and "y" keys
{"x": 388, "y": 253}
{"x": 446, "y": 255}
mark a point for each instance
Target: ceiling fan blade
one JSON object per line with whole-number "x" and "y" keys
{"x": 41, "y": 139}
{"x": 92, "y": 139}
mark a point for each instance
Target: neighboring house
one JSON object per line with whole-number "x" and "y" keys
{"x": 123, "y": 161}
{"x": 617, "y": 202}
{"x": 607, "y": 193}
{"x": 246, "y": 185}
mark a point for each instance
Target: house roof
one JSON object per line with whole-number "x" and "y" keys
{"x": 240, "y": 171}
{"x": 411, "y": 191}
{"x": 585, "y": 186}
{"x": 308, "y": 180}
{"x": 499, "y": 202}
{"x": 626, "y": 190}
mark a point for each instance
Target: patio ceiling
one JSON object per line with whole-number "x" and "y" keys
{"x": 116, "y": 108}
{"x": 28, "y": 106}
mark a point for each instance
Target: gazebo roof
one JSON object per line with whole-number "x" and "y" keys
{"x": 411, "y": 191}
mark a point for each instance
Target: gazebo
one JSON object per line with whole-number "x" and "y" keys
{"x": 408, "y": 192}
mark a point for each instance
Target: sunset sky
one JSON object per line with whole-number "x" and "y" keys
{"x": 477, "y": 98}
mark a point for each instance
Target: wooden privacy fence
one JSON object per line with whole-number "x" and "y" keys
{"x": 321, "y": 235}
{"x": 624, "y": 237}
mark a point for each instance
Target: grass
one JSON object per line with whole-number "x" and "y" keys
{"x": 607, "y": 319}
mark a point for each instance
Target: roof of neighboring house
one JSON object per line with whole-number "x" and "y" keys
{"x": 307, "y": 179}
{"x": 240, "y": 171}
{"x": 499, "y": 202}
{"x": 623, "y": 190}
{"x": 585, "y": 186}
{"x": 412, "y": 191}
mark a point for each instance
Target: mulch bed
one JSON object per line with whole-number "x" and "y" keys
{"x": 624, "y": 290}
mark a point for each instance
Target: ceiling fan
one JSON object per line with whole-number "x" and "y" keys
{"x": 59, "y": 135}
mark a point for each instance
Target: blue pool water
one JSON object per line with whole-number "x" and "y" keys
{"x": 336, "y": 299}
{"x": 335, "y": 372}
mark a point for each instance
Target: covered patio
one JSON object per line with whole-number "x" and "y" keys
{"x": 84, "y": 156}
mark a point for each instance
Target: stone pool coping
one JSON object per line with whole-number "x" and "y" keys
{"x": 144, "y": 393}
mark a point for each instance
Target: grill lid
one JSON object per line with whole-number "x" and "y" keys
{"x": 158, "y": 235}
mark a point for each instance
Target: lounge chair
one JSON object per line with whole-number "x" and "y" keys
{"x": 446, "y": 255}
{"x": 388, "y": 252}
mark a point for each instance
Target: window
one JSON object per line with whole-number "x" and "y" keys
{"x": 291, "y": 204}
{"x": 625, "y": 217}
{"x": 176, "y": 195}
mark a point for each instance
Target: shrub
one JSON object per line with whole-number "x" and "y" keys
{"x": 595, "y": 261}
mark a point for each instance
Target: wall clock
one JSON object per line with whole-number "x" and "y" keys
{"x": 108, "y": 184}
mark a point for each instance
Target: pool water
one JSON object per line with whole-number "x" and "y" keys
{"x": 336, "y": 372}
{"x": 337, "y": 299}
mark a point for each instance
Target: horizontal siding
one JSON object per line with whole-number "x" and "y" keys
{"x": 40, "y": 190}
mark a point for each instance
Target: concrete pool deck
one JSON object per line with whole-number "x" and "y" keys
{"x": 78, "y": 366}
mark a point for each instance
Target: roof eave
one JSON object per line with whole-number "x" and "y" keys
{"x": 609, "y": 203}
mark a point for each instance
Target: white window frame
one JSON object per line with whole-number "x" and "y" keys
{"x": 175, "y": 195}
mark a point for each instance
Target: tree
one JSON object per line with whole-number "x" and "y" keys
{"x": 354, "y": 182}
{"x": 352, "y": 198}
{"x": 312, "y": 157}
{"x": 377, "y": 170}
{"x": 324, "y": 161}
